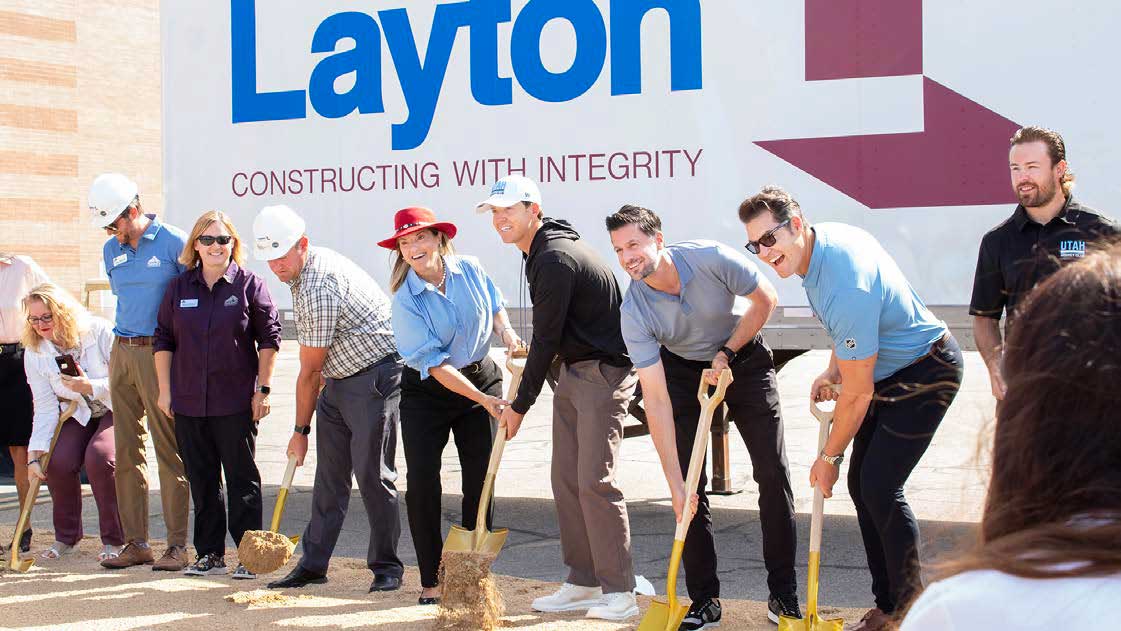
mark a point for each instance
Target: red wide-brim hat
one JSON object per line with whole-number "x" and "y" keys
{"x": 410, "y": 220}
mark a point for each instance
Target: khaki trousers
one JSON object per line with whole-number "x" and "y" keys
{"x": 589, "y": 405}
{"x": 134, "y": 390}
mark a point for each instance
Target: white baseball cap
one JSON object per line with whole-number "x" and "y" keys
{"x": 275, "y": 230}
{"x": 508, "y": 191}
{"x": 110, "y": 194}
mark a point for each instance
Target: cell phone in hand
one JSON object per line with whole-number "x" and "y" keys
{"x": 67, "y": 365}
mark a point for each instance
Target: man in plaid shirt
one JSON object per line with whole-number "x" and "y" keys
{"x": 346, "y": 343}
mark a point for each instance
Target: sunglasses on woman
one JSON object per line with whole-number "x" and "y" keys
{"x": 767, "y": 240}
{"x": 223, "y": 239}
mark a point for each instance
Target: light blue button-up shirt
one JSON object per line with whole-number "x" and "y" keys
{"x": 139, "y": 277}
{"x": 454, "y": 327}
{"x": 865, "y": 303}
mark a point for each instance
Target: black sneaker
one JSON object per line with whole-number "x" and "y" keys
{"x": 207, "y": 565}
{"x": 783, "y": 605}
{"x": 704, "y": 614}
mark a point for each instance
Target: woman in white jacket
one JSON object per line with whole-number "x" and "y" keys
{"x": 57, "y": 327}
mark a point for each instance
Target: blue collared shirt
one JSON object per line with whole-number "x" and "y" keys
{"x": 139, "y": 277}
{"x": 454, "y": 327}
{"x": 865, "y": 303}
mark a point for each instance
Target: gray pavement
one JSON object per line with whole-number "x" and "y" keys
{"x": 946, "y": 492}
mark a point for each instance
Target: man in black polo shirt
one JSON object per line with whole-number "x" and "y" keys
{"x": 1047, "y": 229}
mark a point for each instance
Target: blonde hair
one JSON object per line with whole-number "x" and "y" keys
{"x": 69, "y": 317}
{"x": 401, "y": 266}
{"x": 190, "y": 257}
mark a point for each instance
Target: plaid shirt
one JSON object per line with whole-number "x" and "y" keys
{"x": 340, "y": 308}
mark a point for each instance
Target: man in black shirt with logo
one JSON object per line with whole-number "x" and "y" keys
{"x": 1048, "y": 228}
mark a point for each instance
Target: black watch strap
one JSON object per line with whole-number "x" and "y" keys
{"x": 302, "y": 429}
{"x": 731, "y": 354}
{"x": 264, "y": 389}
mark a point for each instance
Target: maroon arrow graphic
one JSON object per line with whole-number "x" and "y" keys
{"x": 960, "y": 158}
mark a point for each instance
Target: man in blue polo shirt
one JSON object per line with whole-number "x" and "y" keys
{"x": 141, "y": 258}
{"x": 900, "y": 368}
{"x": 690, "y": 306}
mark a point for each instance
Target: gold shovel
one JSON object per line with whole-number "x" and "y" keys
{"x": 253, "y": 542}
{"x": 480, "y": 539}
{"x": 666, "y": 615}
{"x": 14, "y": 562}
{"x": 812, "y": 622}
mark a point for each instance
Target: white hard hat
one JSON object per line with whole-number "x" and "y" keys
{"x": 275, "y": 230}
{"x": 509, "y": 191}
{"x": 110, "y": 194}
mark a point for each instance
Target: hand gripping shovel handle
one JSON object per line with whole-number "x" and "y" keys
{"x": 282, "y": 495}
{"x": 14, "y": 561}
{"x": 480, "y": 532}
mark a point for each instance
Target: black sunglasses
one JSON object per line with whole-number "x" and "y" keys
{"x": 113, "y": 228}
{"x": 767, "y": 240}
{"x": 223, "y": 239}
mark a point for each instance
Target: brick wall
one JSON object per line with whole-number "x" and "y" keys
{"x": 79, "y": 95}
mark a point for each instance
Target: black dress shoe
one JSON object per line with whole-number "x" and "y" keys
{"x": 383, "y": 583}
{"x": 430, "y": 600}
{"x": 298, "y": 578}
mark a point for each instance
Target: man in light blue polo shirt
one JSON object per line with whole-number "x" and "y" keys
{"x": 899, "y": 366}
{"x": 690, "y": 306}
{"x": 141, "y": 258}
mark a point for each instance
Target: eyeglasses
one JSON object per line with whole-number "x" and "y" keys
{"x": 222, "y": 239}
{"x": 767, "y": 240}
{"x": 45, "y": 319}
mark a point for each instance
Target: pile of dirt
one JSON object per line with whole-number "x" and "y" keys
{"x": 264, "y": 551}
{"x": 263, "y": 597}
{"x": 470, "y": 600}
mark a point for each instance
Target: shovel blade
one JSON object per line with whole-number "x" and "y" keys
{"x": 810, "y": 623}
{"x": 20, "y": 565}
{"x": 662, "y": 616}
{"x": 463, "y": 540}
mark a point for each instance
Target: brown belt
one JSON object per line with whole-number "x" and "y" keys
{"x": 139, "y": 340}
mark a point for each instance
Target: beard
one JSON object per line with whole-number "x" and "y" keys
{"x": 1041, "y": 195}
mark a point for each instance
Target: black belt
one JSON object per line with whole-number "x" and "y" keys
{"x": 12, "y": 348}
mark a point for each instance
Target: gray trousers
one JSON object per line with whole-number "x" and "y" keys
{"x": 589, "y": 405}
{"x": 356, "y": 431}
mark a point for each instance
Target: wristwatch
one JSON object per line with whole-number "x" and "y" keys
{"x": 264, "y": 389}
{"x": 302, "y": 429}
{"x": 731, "y": 354}
{"x": 833, "y": 460}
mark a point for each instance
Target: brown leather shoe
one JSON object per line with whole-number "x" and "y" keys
{"x": 131, "y": 555}
{"x": 874, "y": 620}
{"x": 174, "y": 559}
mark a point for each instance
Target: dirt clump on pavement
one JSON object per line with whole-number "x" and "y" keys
{"x": 262, "y": 597}
{"x": 264, "y": 551}
{"x": 470, "y": 600}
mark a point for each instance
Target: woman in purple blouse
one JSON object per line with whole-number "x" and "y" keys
{"x": 217, "y": 333}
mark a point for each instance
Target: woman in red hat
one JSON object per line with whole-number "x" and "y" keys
{"x": 445, "y": 308}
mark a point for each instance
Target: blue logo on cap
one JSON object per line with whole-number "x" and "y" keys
{"x": 498, "y": 188}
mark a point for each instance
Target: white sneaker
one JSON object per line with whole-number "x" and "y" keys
{"x": 615, "y": 606}
{"x": 569, "y": 598}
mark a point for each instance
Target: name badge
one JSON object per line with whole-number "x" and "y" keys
{"x": 188, "y": 303}
{"x": 120, "y": 259}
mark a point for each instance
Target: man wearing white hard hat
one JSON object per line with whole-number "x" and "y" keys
{"x": 576, "y": 303}
{"x": 141, "y": 258}
{"x": 346, "y": 339}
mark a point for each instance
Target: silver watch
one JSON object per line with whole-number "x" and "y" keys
{"x": 833, "y": 460}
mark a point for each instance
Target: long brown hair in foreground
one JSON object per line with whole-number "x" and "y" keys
{"x": 1054, "y": 503}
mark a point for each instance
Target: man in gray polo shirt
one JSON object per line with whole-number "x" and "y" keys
{"x": 680, "y": 316}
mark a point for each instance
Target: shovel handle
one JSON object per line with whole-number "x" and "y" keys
{"x": 817, "y": 518}
{"x": 709, "y": 403}
{"x": 282, "y": 495}
{"x": 515, "y": 365}
{"x": 33, "y": 492}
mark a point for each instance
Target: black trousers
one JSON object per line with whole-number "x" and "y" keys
{"x": 429, "y": 412}
{"x": 892, "y": 438}
{"x": 753, "y": 406}
{"x": 211, "y": 446}
{"x": 18, "y": 409}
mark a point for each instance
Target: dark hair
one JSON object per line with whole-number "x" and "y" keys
{"x": 771, "y": 199}
{"x": 646, "y": 220}
{"x": 1056, "y": 149}
{"x": 1054, "y": 501}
